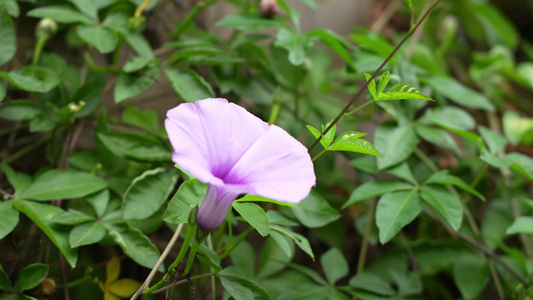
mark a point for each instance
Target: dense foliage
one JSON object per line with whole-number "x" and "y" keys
{"x": 436, "y": 203}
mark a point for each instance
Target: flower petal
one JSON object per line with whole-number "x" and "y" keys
{"x": 209, "y": 136}
{"x": 276, "y": 166}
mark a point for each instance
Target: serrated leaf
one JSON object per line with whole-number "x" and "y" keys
{"x": 315, "y": 211}
{"x": 189, "y": 195}
{"x": 383, "y": 81}
{"x": 189, "y": 85}
{"x": 134, "y": 244}
{"x": 394, "y": 211}
{"x": 372, "y": 189}
{"x": 334, "y": 265}
{"x": 446, "y": 203}
{"x": 349, "y": 141}
{"x": 10, "y": 218}
{"x": 371, "y": 86}
{"x": 63, "y": 184}
{"x": 442, "y": 177}
{"x": 402, "y": 91}
{"x": 41, "y": 214}
{"x": 86, "y": 234}
{"x": 254, "y": 215}
{"x": 30, "y": 276}
{"x": 153, "y": 185}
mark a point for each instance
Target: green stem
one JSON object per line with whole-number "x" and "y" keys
{"x": 360, "y": 107}
{"x": 236, "y": 242}
{"x": 366, "y": 236}
{"x": 180, "y": 282}
{"x": 191, "y": 232}
{"x": 25, "y": 150}
{"x": 191, "y": 15}
{"x": 12, "y": 129}
{"x": 364, "y": 86}
{"x": 118, "y": 50}
{"x": 213, "y": 283}
{"x": 319, "y": 154}
{"x": 276, "y": 105}
{"x": 93, "y": 66}
{"x": 38, "y": 49}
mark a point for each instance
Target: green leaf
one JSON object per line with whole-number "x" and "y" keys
{"x": 41, "y": 214}
{"x": 154, "y": 185}
{"x": 407, "y": 282}
{"x": 254, "y": 215}
{"x": 395, "y": 143}
{"x": 516, "y": 127}
{"x": 334, "y": 265}
{"x": 297, "y": 44}
{"x": 60, "y": 14}
{"x": 371, "y": 86}
{"x": 18, "y": 110}
{"x": 495, "y": 141}
{"x": 63, "y": 184}
{"x": 10, "y": 218}
{"x": 103, "y": 39}
{"x": 449, "y": 116}
{"x": 445, "y": 202}
{"x": 8, "y": 38}
{"x": 189, "y": 195}
{"x": 276, "y": 253}
{"x": 372, "y": 189}
{"x": 383, "y": 81}
{"x": 189, "y": 85}
{"x": 402, "y": 91}
{"x": 437, "y": 136}
{"x": 394, "y": 211}
{"x": 349, "y": 141}
{"x": 134, "y": 244}
{"x": 254, "y": 198}
{"x": 135, "y": 146}
{"x": 458, "y": 93}
{"x": 144, "y": 119}
{"x": 19, "y": 181}
{"x": 83, "y": 160}
{"x": 336, "y": 43}
{"x": 327, "y": 139}
{"x": 402, "y": 171}
{"x": 12, "y": 7}
{"x": 371, "y": 283}
{"x": 442, "y": 177}
{"x": 299, "y": 239}
{"x": 305, "y": 291}
{"x": 33, "y": 78}
{"x": 315, "y": 211}
{"x": 240, "y": 285}
{"x": 71, "y": 217}
{"x": 130, "y": 85}
{"x": 3, "y": 91}
{"x": 248, "y": 21}
{"x": 209, "y": 257}
{"x": 30, "y": 276}
{"x": 471, "y": 273}
{"x": 91, "y": 8}
{"x": 5, "y": 282}
{"x": 522, "y": 224}
{"x": 375, "y": 43}
{"x": 99, "y": 202}
{"x": 241, "y": 257}
{"x": 86, "y": 234}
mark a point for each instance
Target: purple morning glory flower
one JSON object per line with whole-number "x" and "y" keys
{"x": 222, "y": 144}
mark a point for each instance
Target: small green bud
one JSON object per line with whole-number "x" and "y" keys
{"x": 46, "y": 28}
{"x": 192, "y": 216}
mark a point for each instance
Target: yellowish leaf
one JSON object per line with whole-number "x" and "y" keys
{"x": 123, "y": 287}
{"x": 109, "y": 296}
{"x": 112, "y": 270}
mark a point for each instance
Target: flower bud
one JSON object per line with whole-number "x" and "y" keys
{"x": 46, "y": 28}
{"x": 269, "y": 8}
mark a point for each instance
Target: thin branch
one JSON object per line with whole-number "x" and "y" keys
{"x": 363, "y": 88}
{"x": 146, "y": 283}
{"x": 180, "y": 282}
